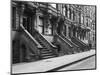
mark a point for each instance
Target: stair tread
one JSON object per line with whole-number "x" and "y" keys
{"x": 46, "y": 51}
{"x": 48, "y": 56}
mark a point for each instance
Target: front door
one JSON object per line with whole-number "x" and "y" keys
{"x": 28, "y": 20}
{"x": 27, "y": 23}
{"x": 40, "y": 25}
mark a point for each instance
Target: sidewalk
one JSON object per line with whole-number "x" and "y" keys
{"x": 49, "y": 64}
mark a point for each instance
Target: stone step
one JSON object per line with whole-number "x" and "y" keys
{"x": 41, "y": 44}
{"x": 46, "y": 51}
{"x": 44, "y": 54}
{"x": 46, "y": 57}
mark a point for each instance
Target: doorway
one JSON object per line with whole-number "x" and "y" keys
{"x": 28, "y": 20}
{"x": 27, "y": 23}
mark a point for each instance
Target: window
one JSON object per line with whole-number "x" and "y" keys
{"x": 73, "y": 15}
{"x": 40, "y": 25}
{"x": 69, "y": 13}
{"x": 64, "y": 11}
{"x": 87, "y": 22}
{"x": 48, "y": 28}
{"x": 13, "y": 17}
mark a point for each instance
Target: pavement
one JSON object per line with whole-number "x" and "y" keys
{"x": 49, "y": 64}
{"x": 85, "y": 64}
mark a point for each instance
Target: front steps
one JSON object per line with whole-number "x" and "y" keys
{"x": 83, "y": 46}
{"x": 47, "y": 51}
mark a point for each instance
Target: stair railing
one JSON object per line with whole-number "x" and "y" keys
{"x": 46, "y": 42}
{"x": 64, "y": 40}
{"x": 84, "y": 47}
{"x": 42, "y": 37}
{"x": 30, "y": 36}
{"x": 69, "y": 40}
{"x": 65, "y": 46}
{"x": 79, "y": 41}
{"x": 34, "y": 45}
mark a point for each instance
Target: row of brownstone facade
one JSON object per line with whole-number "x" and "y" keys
{"x": 46, "y": 30}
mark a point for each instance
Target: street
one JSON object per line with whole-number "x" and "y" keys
{"x": 55, "y": 64}
{"x": 88, "y": 63}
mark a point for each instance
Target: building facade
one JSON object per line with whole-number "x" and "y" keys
{"x": 46, "y": 30}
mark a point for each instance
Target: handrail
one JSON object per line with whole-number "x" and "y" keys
{"x": 46, "y": 39}
{"x": 30, "y": 36}
{"x": 80, "y": 41}
{"x": 64, "y": 40}
{"x": 69, "y": 41}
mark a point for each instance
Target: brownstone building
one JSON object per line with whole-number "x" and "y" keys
{"x": 46, "y": 30}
